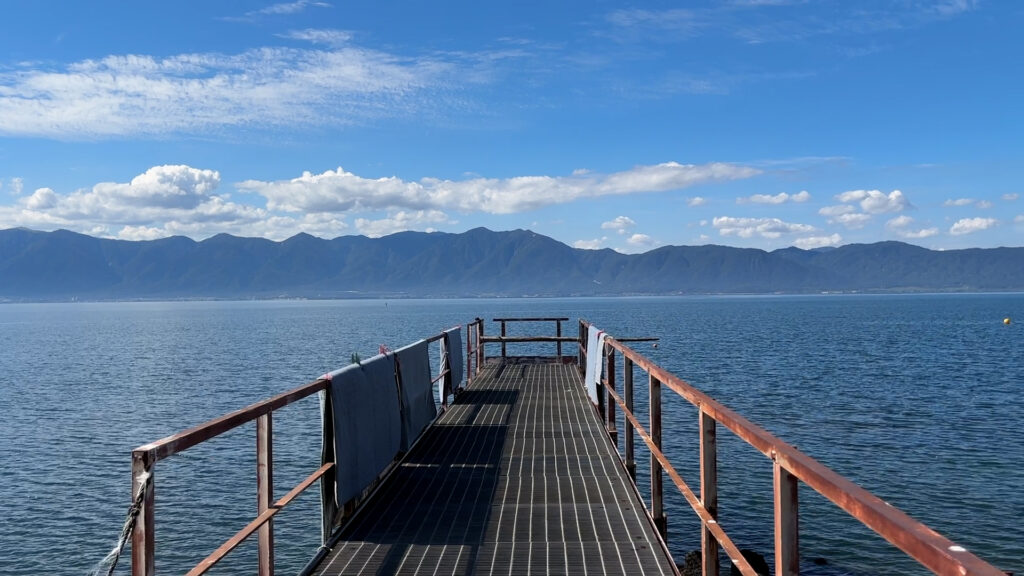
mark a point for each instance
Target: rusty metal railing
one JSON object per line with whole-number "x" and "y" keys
{"x": 144, "y": 459}
{"x": 476, "y": 339}
{"x": 929, "y": 548}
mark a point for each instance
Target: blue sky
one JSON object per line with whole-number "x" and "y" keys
{"x": 755, "y": 123}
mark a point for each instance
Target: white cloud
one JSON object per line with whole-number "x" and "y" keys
{"x": 812, "y": 242}
{"x": 836, "y": 210}
{"x": 1010, "y": 197}
{"x": 163, "y": 201}
{"x": 401, "y": 221}
{"x": 899, "y": 225}
{"x": 852, "y": 221}
{"x": 780, "y": 198}
{"x": 595, "y": 244}
{"x": 875, "y": 201}
{"x": 917, "y": 234}
{"x": 1019, "y": 219}
{"x": 983, "y": 204}
{"x": 696, "y": 201}
{"x": 328, "y": 37}
{"x": 770, "y": 228}
{"x": 41, "y": 199}
{"x": 340, "y": 191}
{"x": 16, "y": 186}
{"x": 899, "y": 222}
{"x": 958, "y": 202}
{"x": 640, "y": 240}
{"x": 142, "y": 233}
{"x": 971, "y": 225}
{"x": 271, "y": 88}
{"x": 620, "y": 224}
{"x": 289, "y": 7}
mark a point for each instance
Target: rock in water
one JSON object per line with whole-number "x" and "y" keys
{"x": 757, "y": 562}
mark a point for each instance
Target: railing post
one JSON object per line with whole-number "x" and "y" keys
{"x": 599, "y": 387}
{"x": 479, "y": 344}
{"x": 627, "y": 392}
{"x": 446, "y": 382}
{"x": 657, "y": 504}
{"x": 581, "y": 343}
{"x": 709, "y": 490}
{"x": 787, "y": 525}
{"x": 613, "y": 430}
{"x": 503, "y": 342}
{"x": 469, "y": 355}
{"x": 558, "y": 345}
{"x": 265, "y": 490}
{"x": 142, "y": 536}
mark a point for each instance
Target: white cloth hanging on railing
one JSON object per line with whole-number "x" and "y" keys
{"x": 595, "y": 355}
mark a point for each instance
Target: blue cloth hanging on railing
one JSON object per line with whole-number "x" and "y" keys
{"x": 362, "y": 426}
{"x": 452, "y": 358}
{"x": 418, "y": 408}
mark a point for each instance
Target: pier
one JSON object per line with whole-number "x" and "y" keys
{"x": 520, "y": 473}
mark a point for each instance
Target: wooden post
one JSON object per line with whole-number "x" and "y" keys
{"x": 558, "y": 345}
{"x": 709, "y": 490}
{"x": 657, "y": 504}
{"x": 503, "y": 342}
{"x": 613, "y": 430}
{"x": 265, "y": 490}
{"x": 787, "y": 525}
{"x": 627, "y": 391}
{"x": 142, "y": 536}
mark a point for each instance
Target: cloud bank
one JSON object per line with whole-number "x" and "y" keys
{"x": 341, "y": 191}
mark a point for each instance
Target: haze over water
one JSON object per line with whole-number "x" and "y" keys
{"x": 916, "y": 398}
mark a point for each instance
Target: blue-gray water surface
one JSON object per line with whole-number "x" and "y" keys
{"x": 915, "y": 397}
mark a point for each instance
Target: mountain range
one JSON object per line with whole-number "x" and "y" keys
{"x": 63, "y": 265}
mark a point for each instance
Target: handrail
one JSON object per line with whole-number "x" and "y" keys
{"x": 504, "y": 339}
{"x": 530, "y": 319}
{"x": 145, "y": 457}
{"x": 932, "y": 550}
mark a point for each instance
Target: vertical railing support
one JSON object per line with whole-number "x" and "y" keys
{"x": 142, "y": 536}
{"x": 479, "y": 344}
{"x": 447, "y": 382}
{"x": 265, "y": 490}
{"x": 503, "y": 342}
{"x": 627, "y": 392}
{"x": 708, "y": 490}
{"x": 657, "y": 504}
{"x": 787, "y": 525}
{"x": 469, "y": 355}
{"x": 558, "y": 345}
{"x": 599, "y": 386}
{"x": 581, "y": 345}
{"x": 613, "y": 430}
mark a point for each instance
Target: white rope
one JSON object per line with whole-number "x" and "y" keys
{"x": 109, "y": 562}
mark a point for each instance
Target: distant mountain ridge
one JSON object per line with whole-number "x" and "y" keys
{"x": 65, "y": 265}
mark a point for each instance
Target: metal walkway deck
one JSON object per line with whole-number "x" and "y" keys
{"x": 517, "y": 477}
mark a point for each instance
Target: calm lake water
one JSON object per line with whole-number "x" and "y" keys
{"x": 917, "y": 398}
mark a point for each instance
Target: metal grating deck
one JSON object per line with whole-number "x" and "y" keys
{"x": 517, "y": 477}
